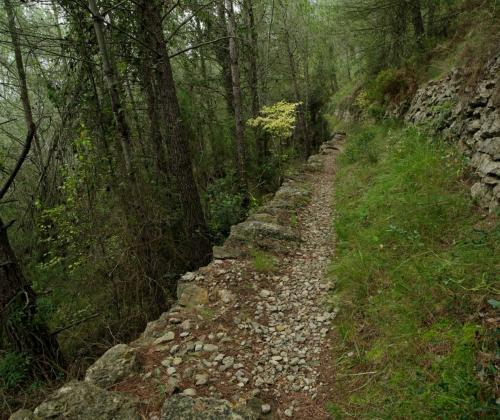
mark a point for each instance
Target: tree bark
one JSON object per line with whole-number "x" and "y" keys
{"x": 21, "y": 325}
{"x": 215, "y": 149}
{"x": 140, "y": 228}
{"x": 431, "y": 7}
{"x": 195, "y": 231}
{"x": 235, "y": 78}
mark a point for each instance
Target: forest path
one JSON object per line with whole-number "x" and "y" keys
{"x": 249, "y": 336}
{"x": 261, "y": 336}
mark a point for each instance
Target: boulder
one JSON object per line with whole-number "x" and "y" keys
{"x": 154, "y": 328}
{"x": 291, "y": 197}
{"x": 191, "y": 295}
{"x": 86, "y": 401}
{"x": 118, "y": 363}
{"x": 251, "y": 232}
{"x": 23, "y": 414}
{"x": 180, "y": 407}
{"x": 278, "y": 215}
{"x": 491, "y": 147}
{"x": 226, "y": 252}
{"x": 314, "y": 164}
{"x": 263, "y": 217}
{"x": 486, "y": 166}
{"x": 482, "y": 195}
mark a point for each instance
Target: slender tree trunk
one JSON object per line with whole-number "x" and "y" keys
{"x": 24, "y": 330}
{"x": 296, "y": 88}
{"x": 307, "y": 128}
{"x": 238, "y": 111}
{"x": 254, "y": 79}
{"x": 113, "y": 87}
{"x": 399, "y": 28}
{"x": 215, "y": 150}
{"x": 173, "y": 130}
{"x": 417, "y": 22}
{"x": 222, "y": 55}
{"x": 147, "y": 82}
{"x": 431, "y": 15}
{"x": 28, "y": 113}
{"x": 133, "y": 103}
{"x": 140, "y": 229}
{"x": 267, "y": 68}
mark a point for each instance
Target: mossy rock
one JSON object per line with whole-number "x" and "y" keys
{"x": 118, "y": 363}
{"x": 85, "y": 401}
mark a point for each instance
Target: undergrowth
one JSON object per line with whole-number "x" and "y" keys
{"x": 263, "y": 262}
{"x": 416, "y": 273}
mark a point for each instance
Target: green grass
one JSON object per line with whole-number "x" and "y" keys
{"x": 263, "y": 262}
{"x": 416, "y": 264}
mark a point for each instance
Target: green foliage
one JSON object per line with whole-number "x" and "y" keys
{"x": 388, "y": 86}
{"x": 225, "y": 207}
{"x": 65, "y": 227}
{"x": 14, "y": 370}
{"x": 415, "y": 262}
{"x": 263, "y": 262}
{"x": 361, "y": 148}
{"x": 277, "y": 120}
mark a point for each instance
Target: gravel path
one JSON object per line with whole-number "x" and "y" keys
{"x": 263, "y": 337}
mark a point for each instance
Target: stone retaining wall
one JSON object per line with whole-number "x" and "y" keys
{"x": 469, "y": 115}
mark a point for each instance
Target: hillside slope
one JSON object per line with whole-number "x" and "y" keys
{"x": 416, "y": 278}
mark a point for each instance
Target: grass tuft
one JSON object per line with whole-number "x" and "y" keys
{"x": 263, "y": 262}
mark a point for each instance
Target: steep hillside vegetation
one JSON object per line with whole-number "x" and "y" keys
{"x": 417, "y": 268}
{"x": 416, "y": 278}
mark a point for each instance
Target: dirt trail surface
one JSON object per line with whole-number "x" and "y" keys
{"x": 249, "y": 335}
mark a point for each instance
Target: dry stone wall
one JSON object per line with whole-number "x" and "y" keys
{"x": 469, "y": 114}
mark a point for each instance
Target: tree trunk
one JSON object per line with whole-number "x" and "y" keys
{"x": 296, "y": 88}
{"x": 172, "y": 129}
{"x": 308, "y": 137}
{"x": 222, "y": 55}
{"x": 417, "y": 22}
{"x": 113, "y": 87}
{"x": 147, "y": 82}
{"x": 238, "y": 111}
{"x": 215, "y": 149}
{"x": 431, "y": 15}
{"x": 254, "y": 80}
{"x": 21, "y": 325}
{"x": 140, "y": 228}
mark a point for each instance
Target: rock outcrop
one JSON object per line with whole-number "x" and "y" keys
{"x": 118, "y": 363}
{"x": 85, "y": 401}
{"x": 184, "y": 362}
{"x": 471, "y": 116}
{"x": 181, "y": 407}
